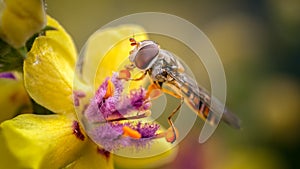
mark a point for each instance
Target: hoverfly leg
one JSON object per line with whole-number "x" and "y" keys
{"x": 140, "y": 78}
{"x": 129, "y": 67}
{"x": 171, "y": 93}
{"x": 125, "y": 74}
{"x": 153, "y": 91}
{"x": 172, "y": 132}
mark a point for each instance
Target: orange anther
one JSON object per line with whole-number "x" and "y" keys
{"x": 109, "y": 90}
{"x": 127, "y": 131}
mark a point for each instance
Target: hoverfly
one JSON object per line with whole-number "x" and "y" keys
{"x": 164, "y": 68}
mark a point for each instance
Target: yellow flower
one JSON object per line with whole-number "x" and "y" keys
{"x": 19, "y": 20}
{"x": 58, "y": 140}
{"x": 14, "y": 99}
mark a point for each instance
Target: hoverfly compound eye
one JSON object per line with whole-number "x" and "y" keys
{"x": 146, "y": 55}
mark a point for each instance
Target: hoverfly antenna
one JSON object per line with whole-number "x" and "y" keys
{"x": 133, "y": 41}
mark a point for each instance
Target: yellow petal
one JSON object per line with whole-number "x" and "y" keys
{"x": 20, "y": 20}
{"x": 13, "y": 98}
{"x": 7, "y": 160}
{"x": 43, "y": 141}
{"x": 93, "y": 157}
{"x": 106, "y": 50}
{"x": 49, "y": 70}
{"x": 62, "y": 38}
{"x": 160, "y": 152}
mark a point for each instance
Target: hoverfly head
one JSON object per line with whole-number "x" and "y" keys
{"x": 144, "y": 54}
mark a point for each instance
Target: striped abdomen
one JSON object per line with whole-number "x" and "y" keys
{"x": 199, "y": 101}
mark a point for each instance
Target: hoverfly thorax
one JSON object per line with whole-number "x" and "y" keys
{"x": 144, "y": 53}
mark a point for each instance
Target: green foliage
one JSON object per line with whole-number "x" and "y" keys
{"x": 30, "y": 41}
{"x": 11, "y": 58}
{"x": 38, "y": 109}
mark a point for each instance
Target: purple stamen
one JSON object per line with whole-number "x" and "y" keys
{"x": 107, "y": 115}
{"x": 147, "y": 130}
{"x": 8, "y": 75}
{"x": 110, "y": 135}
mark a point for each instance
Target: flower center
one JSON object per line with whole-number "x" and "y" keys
{"x": 115, "y": 118}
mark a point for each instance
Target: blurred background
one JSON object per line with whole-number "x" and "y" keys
{"x": 258, "y": 42}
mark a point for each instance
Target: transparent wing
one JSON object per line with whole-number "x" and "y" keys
{"x": 196, "y": 96}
